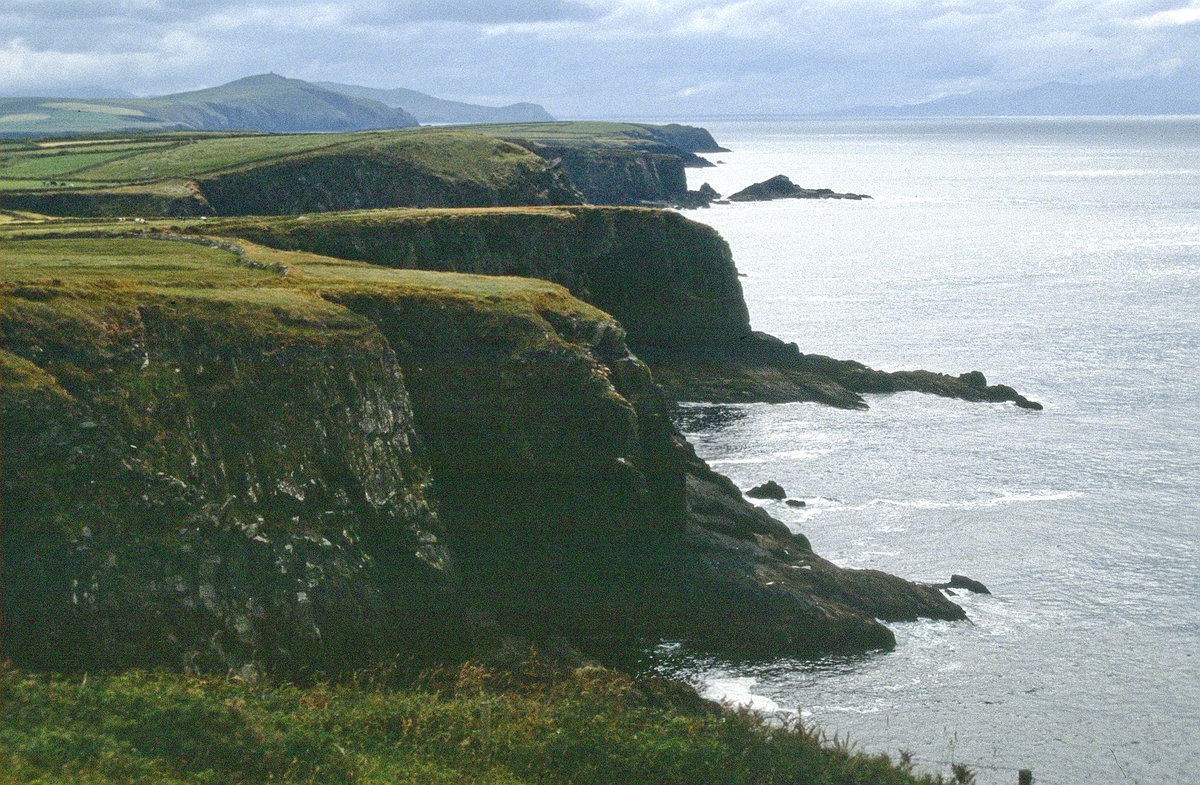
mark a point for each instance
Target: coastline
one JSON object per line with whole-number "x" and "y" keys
{"x": 487, "y": 448}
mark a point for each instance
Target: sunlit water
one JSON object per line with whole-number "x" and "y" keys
{"x": 1061, "y": 257}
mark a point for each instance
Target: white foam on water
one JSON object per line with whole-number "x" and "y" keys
{"x": 737, "y": 691}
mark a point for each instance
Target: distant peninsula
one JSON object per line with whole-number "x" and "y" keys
{"x": 264, "y": 103}
{"x": 433, "y": 111}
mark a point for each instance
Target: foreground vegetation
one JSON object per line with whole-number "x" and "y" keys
{"x": 528, "y": 724}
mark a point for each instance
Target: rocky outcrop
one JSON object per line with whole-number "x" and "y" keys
{"x": 780, "y": 187}
{"x": 768, "y": 490}
{"x": 308, "y": 465}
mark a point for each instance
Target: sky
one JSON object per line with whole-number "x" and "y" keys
{"x": 618, "y": 58}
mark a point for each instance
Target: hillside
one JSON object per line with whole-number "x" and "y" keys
{"x": 232, "y": 174}
{"x": 266, "y": 103}
{"x": 430, "y": 110}
{"x": 176, "y": 173}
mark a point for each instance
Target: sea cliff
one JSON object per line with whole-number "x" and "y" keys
{"x": 219, "y": 455}
{"x": 670, "y": 281}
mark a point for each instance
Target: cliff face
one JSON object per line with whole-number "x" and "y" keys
{"x": 176, "y": 200}
{"x": 620, "y": 177}
{"x": 355, "y": 181}
{"x": 208, "y": 483}
{"x": 669, "y": 281}
{"x": 214, "y": 460}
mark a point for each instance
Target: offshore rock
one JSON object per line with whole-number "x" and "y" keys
{"x": 780, "y": 187}
{"x": 963, "y": 582}
{"x": 768, "y": 490}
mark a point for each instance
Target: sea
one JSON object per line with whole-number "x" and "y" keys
{"x": 1060, "y": 256}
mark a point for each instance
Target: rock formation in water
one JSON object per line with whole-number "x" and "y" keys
{"x": 780, "y": 187}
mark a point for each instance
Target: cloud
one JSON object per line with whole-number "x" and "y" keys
{"x": 1171, "y": 18}
{"x": 592, "y": 57}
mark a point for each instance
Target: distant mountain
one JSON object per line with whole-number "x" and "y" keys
{"x": 1128, "y": 97}
{"x": 428, "y": 109}
{"x": 267, "y": 102}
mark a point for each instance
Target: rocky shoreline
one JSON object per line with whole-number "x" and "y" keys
{"x": 306, "y": 443}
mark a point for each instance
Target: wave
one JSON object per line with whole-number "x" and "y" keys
{"x": 736, "y": 691}
{"x": 1123, "y": 173}
{"x": 969, "y": 504}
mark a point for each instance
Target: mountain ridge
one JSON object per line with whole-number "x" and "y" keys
{"x": 430, "y": 109}
{"x": 263, "y": 102}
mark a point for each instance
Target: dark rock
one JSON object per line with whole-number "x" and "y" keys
{"x": 963, "y": 582}
{"x": 796, "y": 503}
{"x": 780, "y": 187}
{"x": 661, "y": 693}
{"x": 768, "y": 490}
{"x": 702, "y": 197}
{"x": 973, "y": 379}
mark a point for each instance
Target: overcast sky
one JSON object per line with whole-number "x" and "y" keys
{"x": 632, "y": 58}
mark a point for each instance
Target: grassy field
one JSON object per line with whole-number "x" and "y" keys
{"x": 68, "y": 261}
{"x": 53, "y": 163}
{"x": 468, "y": 725}
{"x": 198, "y": 155}
{"x": 461, "y": 152}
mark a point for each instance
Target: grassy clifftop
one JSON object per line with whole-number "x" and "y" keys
{"x": 188, "y": 173}
{"x": 199, "y": 174}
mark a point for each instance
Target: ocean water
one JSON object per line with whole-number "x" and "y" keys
{"x": 1062, "y": 257}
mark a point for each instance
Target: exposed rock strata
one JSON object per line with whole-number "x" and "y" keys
{"x": 171, "y": 499}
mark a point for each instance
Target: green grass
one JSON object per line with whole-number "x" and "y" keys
{"x": 200, "y": 155}
{"x": 466, "y": 153}
{"x": 99, "y": 272}
{"x": 46, "y": 164}
{"x": 585, "y": 727}
{"x": 597, "y": 132}
{"x": 47, "y": 117}
{"x": 146, "y": 261}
